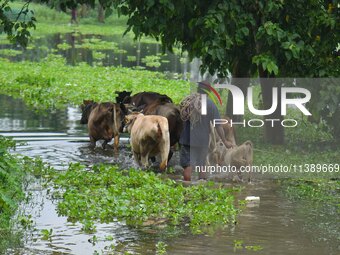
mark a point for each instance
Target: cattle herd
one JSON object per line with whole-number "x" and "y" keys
{"x": 155, "y": 125}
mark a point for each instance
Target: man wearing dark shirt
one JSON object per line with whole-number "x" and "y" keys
{"x": 194, "y": 139}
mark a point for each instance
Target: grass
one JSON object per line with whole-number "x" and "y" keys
{"x": 50, "y": 21}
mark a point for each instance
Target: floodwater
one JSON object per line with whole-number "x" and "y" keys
{"x": 278, "y": 225}
{"x": 123, "y": 52}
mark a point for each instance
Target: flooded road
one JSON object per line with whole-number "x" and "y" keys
{"x": 276, "y": 224}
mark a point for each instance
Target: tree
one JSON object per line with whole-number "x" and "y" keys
{"x": 16, "y": 24}
{"x": 101, "y": 17}
{"x": 265, "y": 38}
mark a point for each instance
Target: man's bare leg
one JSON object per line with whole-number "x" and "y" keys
{"x": 187, "y": 173}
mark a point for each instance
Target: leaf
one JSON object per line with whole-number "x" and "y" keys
{"x": 108, "y": 12}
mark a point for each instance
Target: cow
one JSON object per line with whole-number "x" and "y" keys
{"x": 172, "y": 113}
{"x": 86, "y": 109}
{"x": 236, "y": 156}
{"x": 104, "y": 120}
{"x": 142, "y": 99}
{"x": 121, "y": 95}
{"x": 149, "y": 137}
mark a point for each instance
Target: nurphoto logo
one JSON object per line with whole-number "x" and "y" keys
{"x": 239, "y": 102}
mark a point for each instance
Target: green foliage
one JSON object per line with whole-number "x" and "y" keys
{"x": 63, "y": 46}
{"x": 315, "y": 190}
{"x": 10, "y": 52}
{"x": 161, "y": 248}
{"x": 325, "y": 105}
{"x": 46, "y": 234}
{"x": 131, "y": 58}
{"x": 239, "y": 246}
{"x": 16, "y": 23}
{"x": 10, "y": 181}
{"x": 51, "y": 83}
{"x": 105, "y": 193}
{"x": 228, "y": 35}
{"x": 151, "y": 61}
{"x": 11, "y": 192}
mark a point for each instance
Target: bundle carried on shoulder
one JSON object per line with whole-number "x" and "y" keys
{"x": 190, "y": 108}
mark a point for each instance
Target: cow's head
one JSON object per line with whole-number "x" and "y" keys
{"x": 129, "y": 120}
{"x": 122, "y": 96}
{"x": 86, "y": 109}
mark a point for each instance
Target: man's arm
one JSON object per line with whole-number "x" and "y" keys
{"x": 220, "y": 132}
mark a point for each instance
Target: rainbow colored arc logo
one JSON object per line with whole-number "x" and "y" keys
{"x": 211, "y": 92}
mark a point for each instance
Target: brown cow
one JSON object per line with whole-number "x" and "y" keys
{"x": 86, "y": 109}
{"x": 104, "y": 121}
{"x": 172, "y": 113}
{"x": 149, "y": 137}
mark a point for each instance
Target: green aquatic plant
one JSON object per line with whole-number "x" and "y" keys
{"x": 64, "y": 46}
{"x": 46, "y": 234}
{"x": 253, "y": 247}
{"x": 239, "y": 246}
{"x": 152, "y": 61}
{"x": 13, "y": 173}
{"x": 131, "y": 58}
{"x": 54, "y": 84}
{"x": 161, "y": 248}
{"x": 88, "y": 227}
{"x": 10, "y": 52}
{"x": 106, "y": 193}
{"x": 316, "y": 190}
{"x": 98, "y": 55}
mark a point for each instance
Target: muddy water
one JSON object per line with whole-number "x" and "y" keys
{"x": 276, "y": 224}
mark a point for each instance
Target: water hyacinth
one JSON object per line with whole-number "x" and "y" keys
{"x": 106, "y": 193}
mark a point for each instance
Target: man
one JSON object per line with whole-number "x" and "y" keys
{"x": 194, "y": 139}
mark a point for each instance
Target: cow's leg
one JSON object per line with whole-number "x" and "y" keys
{"x": 136, "y": 156}
{"x": 92, "y": 142}
{"x": 104, "y": 144}
{"x": 116, "y": 143}
{"x": 164, "y": 153}
{"x": 170, "y": 154}
{"x": 145, "y": 160}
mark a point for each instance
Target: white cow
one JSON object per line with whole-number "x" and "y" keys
{"x": 149, "y": 137}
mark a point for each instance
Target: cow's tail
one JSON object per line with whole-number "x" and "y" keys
{"x": 159, "y": 130}
{"x": 115, "y": 118}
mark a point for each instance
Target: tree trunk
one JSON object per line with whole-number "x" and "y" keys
{"x": 272, "y": 134}
{"x": 74, "y": 16}
{"x": 101, "y": 16}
